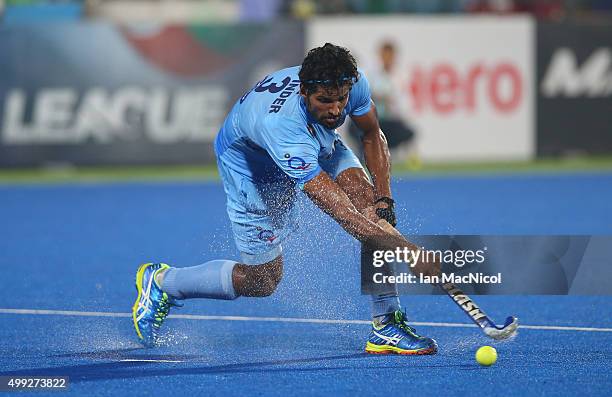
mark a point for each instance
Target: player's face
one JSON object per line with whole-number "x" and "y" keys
{"x": 326, "y": 104}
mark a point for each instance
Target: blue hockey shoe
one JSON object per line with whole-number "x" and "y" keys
{"x": 152, "y": 304}
{"x": 396, "y": 336}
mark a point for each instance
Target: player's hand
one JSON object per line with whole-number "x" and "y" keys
{"x": 385, "y": 209}
{"x": 426, "y": 268}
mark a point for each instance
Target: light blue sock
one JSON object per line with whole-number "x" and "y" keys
{"x": 384, "y": 304}
{"x": 210, "y": 280}
{"x": 386, "y": 299}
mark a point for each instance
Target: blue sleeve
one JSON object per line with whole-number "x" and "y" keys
{"x": 360, "y": 97}
{"x": 292, "y": 148}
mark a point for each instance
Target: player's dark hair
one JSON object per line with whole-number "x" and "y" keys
{"x": 329, "y": 66}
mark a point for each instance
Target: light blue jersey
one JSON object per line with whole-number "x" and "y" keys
{"x": 269, "y": 128}
{"x": 268, "y": 145}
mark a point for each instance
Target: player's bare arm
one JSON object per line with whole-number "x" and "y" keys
{"x": 376, "y": 151}
{"x": 377, "y": 157}
{"x": 328, "y": 196}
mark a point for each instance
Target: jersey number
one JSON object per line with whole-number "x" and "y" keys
{"x": 270, "y": 87}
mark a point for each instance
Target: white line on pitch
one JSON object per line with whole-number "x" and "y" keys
{"x": 282, "y": 319}
{"x": 148, "y": 360}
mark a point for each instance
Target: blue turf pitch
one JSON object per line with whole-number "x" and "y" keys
{"x": 76, "y": 247}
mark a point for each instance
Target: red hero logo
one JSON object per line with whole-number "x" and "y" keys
{"x": 444, "y": 89}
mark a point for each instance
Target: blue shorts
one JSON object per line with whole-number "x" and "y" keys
{"x": 263, "y": 214}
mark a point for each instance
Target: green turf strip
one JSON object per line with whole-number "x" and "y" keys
{"x": 547, "y": 165}
{"x": 209, "y": 172}
{"x": 108, "y": 174}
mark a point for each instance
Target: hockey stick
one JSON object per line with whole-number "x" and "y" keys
{"x": 478, "y": 316}
{"x": 469, "y": 306}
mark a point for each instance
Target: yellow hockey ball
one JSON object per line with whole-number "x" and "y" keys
{"x": 486, "y": 356}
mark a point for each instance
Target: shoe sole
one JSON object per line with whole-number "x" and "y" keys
{"x": 139, "y": 274}
{"x": 376, "y": 349}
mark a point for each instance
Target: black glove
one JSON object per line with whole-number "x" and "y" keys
{"x": 388, "y": 213}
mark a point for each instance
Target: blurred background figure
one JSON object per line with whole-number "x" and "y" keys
{"x": 392, "y": 110}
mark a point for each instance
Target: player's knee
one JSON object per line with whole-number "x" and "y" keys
{"x": 272, "y": 275}
{"x": 276, "y": 274}
{"x": 262, "y": 280}
{"x": 267, "y": 286}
